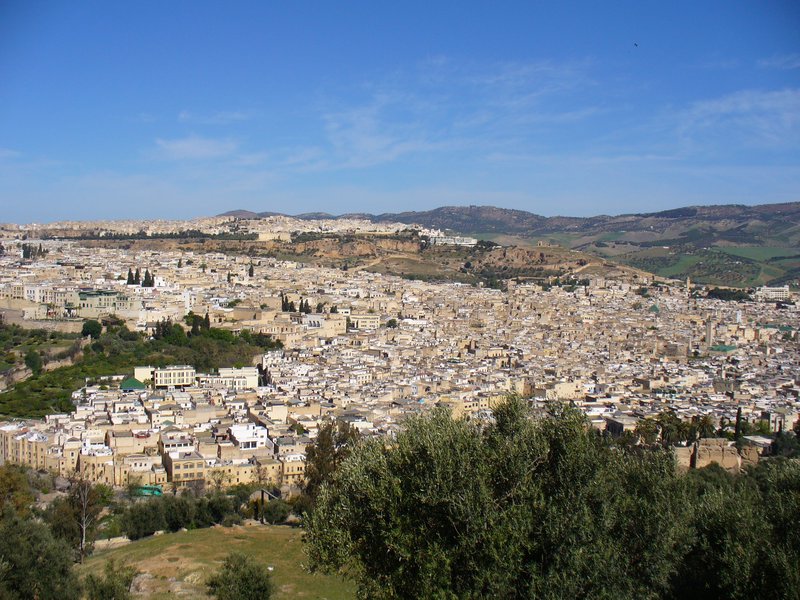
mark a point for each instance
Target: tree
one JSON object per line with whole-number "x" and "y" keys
{"x": 264, "y": 475}
{"x": 241, "y": 578}
{"x": 33, "y": 361}
{"x": 206, "y": 322}
{"x": 705, "y": 427}
{"x": 197, "y": 320}
{"x": 786, "y": 444}
{"x": 180, "y": 263}
{"x": 518, "y": 508}
{"x": 149, "y": 280}
{"x": 251, "y": 270}
{"x": 115, "y": 583}
{"x": 391, "y": 323}
{"x": 647, "y": 431}
{"x": 219, "y": 478}
{"x": 673, "y": 430}
{"x": 86, "y": 501}
{"x": 92, "y": 328}
{"x": 276, "y": 511}
{"x": 179, "y": 512}
{"x": 143, "y": 518}
{"x": 745, "y": 541}
{"x": 130, "y": 280}
{"x": 137, "y": 278}
{"x": 73, "y": 518}
{"x": 738, "y": 431}
{"x": 15, "y": 491}
{"x": 334, "y": 442}
{"x": 36, "y": 564}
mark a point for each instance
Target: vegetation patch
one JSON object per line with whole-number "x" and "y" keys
{"x": 183, "y": 561}
{"x": 116, "y": 352}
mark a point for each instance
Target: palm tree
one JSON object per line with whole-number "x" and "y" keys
{"x": 705, "y": 427}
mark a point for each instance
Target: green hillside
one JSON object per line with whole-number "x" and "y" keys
{"x": 178, "y": 564}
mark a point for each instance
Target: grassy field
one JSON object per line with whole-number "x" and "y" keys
{"x": 178, "y": 564}
{"x": 759, "y": 253}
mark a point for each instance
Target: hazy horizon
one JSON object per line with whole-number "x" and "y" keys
{"x": 423, "y": 209}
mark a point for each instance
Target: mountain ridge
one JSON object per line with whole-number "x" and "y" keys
{"x": 492, "y": 219}
{"x": 725, "y": 244}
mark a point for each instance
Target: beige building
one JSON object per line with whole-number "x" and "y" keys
{"x": 184, "y": 468}
{"x": 173, "y": 376}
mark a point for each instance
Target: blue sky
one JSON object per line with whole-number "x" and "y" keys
{"x": 182, "y": 109}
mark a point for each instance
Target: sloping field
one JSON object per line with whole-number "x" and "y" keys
{"x": 178, "y": 564}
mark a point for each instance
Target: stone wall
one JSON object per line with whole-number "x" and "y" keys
{"x": 723, "y": 452}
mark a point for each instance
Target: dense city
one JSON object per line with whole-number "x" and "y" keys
{"x": 371, "y": 349}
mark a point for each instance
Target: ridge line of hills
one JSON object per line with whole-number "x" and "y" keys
{"x": 470, "y": 219}
{"x": 727, "y": 244}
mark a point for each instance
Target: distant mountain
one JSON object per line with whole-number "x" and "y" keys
{"x": 248, "y": 214}
{"x": 727, "y": 244}
{"x": 732, "y": 223}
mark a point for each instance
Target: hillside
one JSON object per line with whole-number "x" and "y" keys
{"x": 405, "y": 254}
{"x": 721, "y": 245}
{"x": 178, "y": 564}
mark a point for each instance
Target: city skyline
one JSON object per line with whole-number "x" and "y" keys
{"x": 195, "y": 109}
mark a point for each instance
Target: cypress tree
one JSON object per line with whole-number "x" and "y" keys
{"x": 738, "y": 432}
{"x": 137, "y": 278}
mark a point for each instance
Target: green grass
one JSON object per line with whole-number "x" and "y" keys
{"x": 757, "y": 252}
{"x": 562, "y": 239}
{"x": 611, "y": 236}
{"x": 684, "y": 262}
{"x": 180, "y": 563}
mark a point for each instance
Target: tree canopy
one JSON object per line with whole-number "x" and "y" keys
{"x": 92, "y": 328}
{"x": 547, "y": 508}
{"x": 241, "y": 578}
{"x": 33, "y": 564}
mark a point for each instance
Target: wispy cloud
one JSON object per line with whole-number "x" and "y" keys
{"x": 8, "y": 153}
{"x": 225, "y": 117}
{"x": 447, "y": 106}
{"x": 782, "y": 62}
{"x": 195, "y": 148}
{"x": 750, "y": 117}
{"x": 370, "y": 135}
